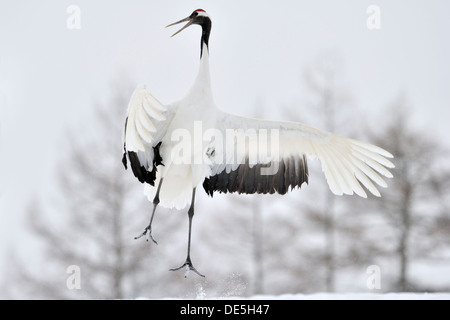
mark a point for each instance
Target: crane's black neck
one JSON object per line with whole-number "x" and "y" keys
{"x": 205, "y": 23}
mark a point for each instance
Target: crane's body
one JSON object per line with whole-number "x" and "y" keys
{"x": 174, "y": 148}
{"x": 181, "y": 176}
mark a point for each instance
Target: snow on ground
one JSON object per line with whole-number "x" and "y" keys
{"x": 357, "y": 296}
{"x": 335, "y": 296}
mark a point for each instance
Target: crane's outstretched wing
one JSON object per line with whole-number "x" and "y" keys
{"x": 145, "y": 125}
{"x": 275, "y": 155}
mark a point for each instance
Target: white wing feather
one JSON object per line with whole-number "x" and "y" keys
{"x": 146, "y": 124}
{"x": 346, "y": 163}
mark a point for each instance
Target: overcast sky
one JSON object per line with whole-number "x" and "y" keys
{"x": 51, "y": 75}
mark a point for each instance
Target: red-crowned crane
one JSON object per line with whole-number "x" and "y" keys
{"x": 176, "y": 147}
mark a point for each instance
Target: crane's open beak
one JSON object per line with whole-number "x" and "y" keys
{"x": 190, "y": 21}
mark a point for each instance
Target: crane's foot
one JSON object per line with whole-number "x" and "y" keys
{"x": 148, "y": 235}
{"x": 188, "y": 265}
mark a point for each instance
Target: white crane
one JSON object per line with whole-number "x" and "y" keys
{"x": 176, "y": 147}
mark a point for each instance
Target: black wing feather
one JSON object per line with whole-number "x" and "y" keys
{"x": 292, "y": 172}
{"x": 139, "y": 171}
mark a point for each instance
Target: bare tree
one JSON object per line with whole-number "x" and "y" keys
{"x": 93, "y": 218}
{"x": 330, "y": 102}
{"x": 417, "y": 198}
{"x": 284, "y": 259}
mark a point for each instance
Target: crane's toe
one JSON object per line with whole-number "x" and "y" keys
{"x": 188, "y": 265}
{"x": 148, "y": 235}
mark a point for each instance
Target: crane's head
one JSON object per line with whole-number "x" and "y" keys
{"x": 199, "y": 17}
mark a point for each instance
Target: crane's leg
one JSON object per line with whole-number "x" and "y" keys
{"x": 148, "y": 230}
{"x": 188, "y": 264}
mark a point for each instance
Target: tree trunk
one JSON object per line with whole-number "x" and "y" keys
{"x": 405, "y": 227}
{"x": 329, "y": 245}
{"x": 258, "y": 278}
